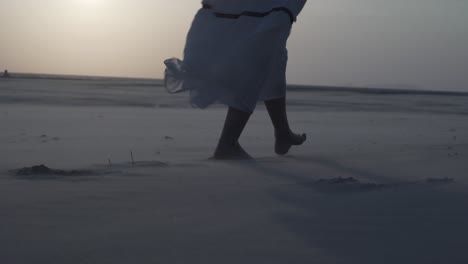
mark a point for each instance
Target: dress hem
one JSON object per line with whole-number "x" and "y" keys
{"x": 252, "y": 14}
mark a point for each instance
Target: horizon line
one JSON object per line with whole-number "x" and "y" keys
{"x": 297, "y": 87}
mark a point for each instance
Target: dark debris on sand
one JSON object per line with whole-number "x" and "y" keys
{"x": 42, "y": 170}
{"x": 352, "y": 185}
{"x": 440, "y": 180}
{"x": 349, "y": 184}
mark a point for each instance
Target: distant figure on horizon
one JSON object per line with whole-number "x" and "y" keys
{"x": 236, "y": 54}
{"x": 6, "y": 74}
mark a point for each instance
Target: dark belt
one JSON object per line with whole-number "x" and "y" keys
{"x": 252, "y": 14}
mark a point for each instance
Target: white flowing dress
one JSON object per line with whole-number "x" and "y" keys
{"x": 235, "y": 53}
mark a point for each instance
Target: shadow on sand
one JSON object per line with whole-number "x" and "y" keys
{"x": 412, "y": 222}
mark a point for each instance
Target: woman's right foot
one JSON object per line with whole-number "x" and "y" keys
{"x": 231, "y": 152}
{"x": 286, "y": 141}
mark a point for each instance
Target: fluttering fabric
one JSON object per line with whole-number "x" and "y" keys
{"x": 235, "y": 53}
{"x": 260, "y": 6}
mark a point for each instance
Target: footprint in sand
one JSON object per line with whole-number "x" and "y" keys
{"x": 45, "y": 138}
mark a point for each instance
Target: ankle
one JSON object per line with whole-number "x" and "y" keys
{"x": 283, "y": 133}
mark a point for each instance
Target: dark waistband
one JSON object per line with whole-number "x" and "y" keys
{"x": 252, "y": 14}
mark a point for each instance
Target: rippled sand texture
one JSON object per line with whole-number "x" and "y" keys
{"x": 382, "y": 178}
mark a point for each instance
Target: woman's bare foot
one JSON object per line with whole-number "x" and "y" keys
{"x": 285, "y": 141}
{"x": 231, "y": 152}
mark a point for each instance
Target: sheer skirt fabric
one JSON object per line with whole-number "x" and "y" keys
{"x": 236, "y": 62}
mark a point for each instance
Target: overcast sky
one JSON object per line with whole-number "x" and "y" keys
{"x": 398, "y": 43}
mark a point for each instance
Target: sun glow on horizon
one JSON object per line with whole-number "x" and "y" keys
{"x": 422, "y": 43}
{"x": 90, "y": 3}
{"x": 89, "y": 7}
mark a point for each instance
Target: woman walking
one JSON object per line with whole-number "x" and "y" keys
{"x": 236, "y": 54}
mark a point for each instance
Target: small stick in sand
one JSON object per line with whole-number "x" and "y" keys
{"x": 131, "y": 155}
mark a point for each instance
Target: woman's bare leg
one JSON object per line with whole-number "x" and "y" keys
{"x": 285, "y": 138}
{"x": 228, "y": 146}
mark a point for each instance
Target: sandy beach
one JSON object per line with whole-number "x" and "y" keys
{"x": 383, "y": 177}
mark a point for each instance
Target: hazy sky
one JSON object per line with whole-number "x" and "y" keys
{"x": 402, "y": 43}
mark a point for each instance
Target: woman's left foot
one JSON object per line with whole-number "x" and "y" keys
{"x": 286, "y": 141}
{"x": 231, "y": 152}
